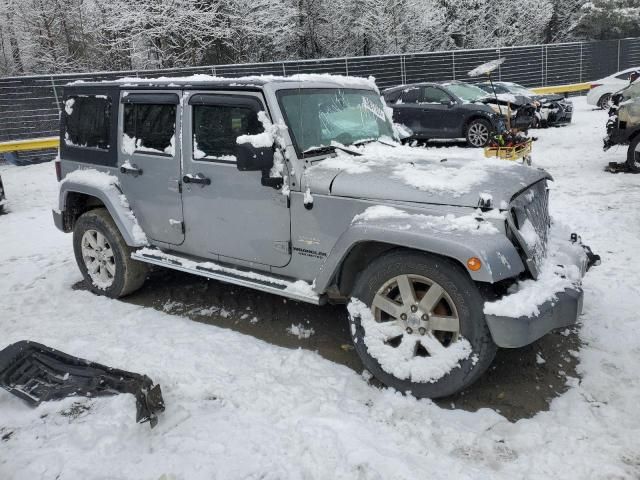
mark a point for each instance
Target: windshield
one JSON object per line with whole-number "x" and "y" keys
{"x": 318, "y": 117}
{"x": 517, "y": 89}
{"x": 466, "y": 92}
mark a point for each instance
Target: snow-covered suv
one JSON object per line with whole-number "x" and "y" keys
{"x": 298, "y": 187}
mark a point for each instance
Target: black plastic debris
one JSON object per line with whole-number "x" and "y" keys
{"x": 615, "y": 167}
{"x": 37, "y": 373}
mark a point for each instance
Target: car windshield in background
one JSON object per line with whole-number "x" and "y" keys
{"x": 466, "y": 92}
{"x": 318, "y": 117}
{"x": 518, "y": 89}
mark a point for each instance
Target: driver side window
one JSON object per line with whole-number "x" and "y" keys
{"x": 433, "y": 95}
{"x": 216, "y": 128}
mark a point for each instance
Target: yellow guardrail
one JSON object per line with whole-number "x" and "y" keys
{"x": 30, "y": 144}
{"x": 572, "y": 87}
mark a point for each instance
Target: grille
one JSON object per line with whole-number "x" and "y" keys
{"x": 531, "y": 210}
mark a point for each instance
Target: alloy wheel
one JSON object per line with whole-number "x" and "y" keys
{"x": 478, "y": 134}
{"x": 417, "y": 314}
{"x": 99, "y": 258}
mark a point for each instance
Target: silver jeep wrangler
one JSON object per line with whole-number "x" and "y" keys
{"x": 298, "y": 187}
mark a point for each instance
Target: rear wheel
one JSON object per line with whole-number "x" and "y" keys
{"x": 103, "y": 256}
{"x": 478, "y": 132}
{"x": 633, "y": 155}
{"x": 418, "y": 326}
{"x": 603, "y": 101}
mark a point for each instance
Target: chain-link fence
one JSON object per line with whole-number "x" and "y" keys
{"x": 29, "y": 105}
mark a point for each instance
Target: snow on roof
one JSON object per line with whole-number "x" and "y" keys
{"x": 255, "y": 80}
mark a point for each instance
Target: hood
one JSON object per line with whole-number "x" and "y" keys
{"x": 414, "y": 175}
{"x": 549, "y": 98}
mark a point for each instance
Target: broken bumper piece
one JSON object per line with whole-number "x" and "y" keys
{"x": 37, "y": 373}
{"x": 562, "y": 311}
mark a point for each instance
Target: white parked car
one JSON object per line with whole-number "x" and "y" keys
{"x": 601, "y": 90}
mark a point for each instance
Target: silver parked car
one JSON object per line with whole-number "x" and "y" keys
{"x": 297, "y": 187}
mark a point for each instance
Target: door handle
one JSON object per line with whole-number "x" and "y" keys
{"x": 197, "y": 178}
{"x": 129, "y": 169}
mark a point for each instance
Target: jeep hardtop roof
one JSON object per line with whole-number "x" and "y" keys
{"x": 241, "y": 83}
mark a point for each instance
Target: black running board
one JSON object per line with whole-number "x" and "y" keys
{"x": 257, "y": 281}
{"x": 36, "y": 373}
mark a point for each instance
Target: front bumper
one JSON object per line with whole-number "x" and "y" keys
{"x": 562, "y": 311}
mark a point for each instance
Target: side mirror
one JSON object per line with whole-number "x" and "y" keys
{"x": 252, "y": 159}
{"x": 448, "y": 103}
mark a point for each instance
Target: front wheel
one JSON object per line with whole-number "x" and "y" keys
{"x": 418, "y": 326}
{"x": 633, "y": 155}
{"x": 478, "y": 132}
{"x": 103, "y": 256}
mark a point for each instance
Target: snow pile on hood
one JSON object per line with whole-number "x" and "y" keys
{"x": 400, "y": 361}
{"x": 557, "y": 273}
{"x": 429, "y": 177}
{"x": 473, "y": 224}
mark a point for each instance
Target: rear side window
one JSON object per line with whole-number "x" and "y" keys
{"x": 216, "y": 128}
{"x": 149, "y": 129}
{"x": 87, "y": 121}
{"x": 392, "y": 97}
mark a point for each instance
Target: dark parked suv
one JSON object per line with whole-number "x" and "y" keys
{"x": 451, "y": 110}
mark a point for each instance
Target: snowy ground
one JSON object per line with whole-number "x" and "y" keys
{"x": 241, "y": 408}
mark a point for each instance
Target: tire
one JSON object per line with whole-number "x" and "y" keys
{"x": 117, "y": 274}
{"x": 633, "y": 156}
{"x": 457, "y": 288}
{"x": 603, "y": 101}
{"x": 478, "y": 133}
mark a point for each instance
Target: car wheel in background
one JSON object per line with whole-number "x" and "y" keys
{"x": 103, "y": 256}
{"x": 633, "y": 155}
{"x": 478, "y": 133}
{"x": 603, "y": 101}
{"x": 418, "y": 325}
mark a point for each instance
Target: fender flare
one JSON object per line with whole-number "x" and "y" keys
{"x": 500, "y": 259}
{"x": 113, "y": 200}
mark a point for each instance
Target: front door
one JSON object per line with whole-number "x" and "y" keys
{"x": 227, "y": 212}
{"x": 438, "y": 113}
{"x": 150, "y": 159}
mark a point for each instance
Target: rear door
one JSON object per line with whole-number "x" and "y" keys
{"x": 150, "y": 161}
{"x": 407, "y": 112}
{"x": 227, "y": 212}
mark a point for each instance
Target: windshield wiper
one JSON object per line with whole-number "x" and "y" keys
{"x": 329, "y": 149}
{"x": 371, "y": 140}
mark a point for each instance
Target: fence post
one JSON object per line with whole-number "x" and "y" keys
{"x": 346, "y": 66}
{"x": 55, "y": 93}
{"x": 619, "y": 47}
{"x": 581, "y": 44}
{"x": 499, "y": 66}
{"x": 453, "y": 64}
{"x": 284, "y": 71}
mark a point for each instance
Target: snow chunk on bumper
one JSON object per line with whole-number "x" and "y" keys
{"x": 562, "y": 269}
